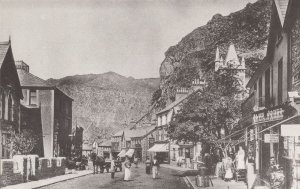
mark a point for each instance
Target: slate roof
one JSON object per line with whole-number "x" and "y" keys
{"x": 138, "y": 132}
{"x": 4, "y": 46}
{"x": 29, "y": 80}
{"x": 105, "y": 143}
{"x": 176, "y": 102}
{"x": 119, "y": 133}
{"x": 135, "y": 132}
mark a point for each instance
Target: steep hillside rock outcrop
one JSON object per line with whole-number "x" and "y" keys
{"x": 248, "y": 29}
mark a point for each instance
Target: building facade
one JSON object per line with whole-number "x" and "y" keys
{"x": 104, "y": 149}
{"x": 272, "y": 106}
{"x": 10, "y": 96}
{"x": 173, "y": 151}
{"x": 54, "y": 107}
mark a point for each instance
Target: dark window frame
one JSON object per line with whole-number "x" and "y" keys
{"x": 280, "y": 82}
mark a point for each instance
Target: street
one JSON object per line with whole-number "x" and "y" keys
{"x": 167, "y": 179}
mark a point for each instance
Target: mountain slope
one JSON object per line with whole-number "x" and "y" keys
{"x": 248, "y": 29}
{"x": 105, "y": 102}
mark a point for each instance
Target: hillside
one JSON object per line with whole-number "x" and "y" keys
{"x": 247, "y": 29}
{"x": 105, "y": 102}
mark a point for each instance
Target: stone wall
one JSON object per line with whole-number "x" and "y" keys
{"x": 15, "y": 171}
{"x": 8, "y": 176}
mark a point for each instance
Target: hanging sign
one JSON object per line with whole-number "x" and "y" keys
{"x": 271, "y": 138}
{"x": 290, "y": 130}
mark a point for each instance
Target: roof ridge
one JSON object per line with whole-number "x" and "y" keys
{"x": 5, "y": 43}
{"x": 36, "y": 77}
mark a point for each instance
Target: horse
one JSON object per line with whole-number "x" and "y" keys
{"x": 94, "y": 158}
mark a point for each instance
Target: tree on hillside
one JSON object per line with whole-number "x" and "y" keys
{"x": 211, "y": 112}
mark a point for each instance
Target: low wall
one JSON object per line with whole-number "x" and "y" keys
{"x": 25, "y": 168}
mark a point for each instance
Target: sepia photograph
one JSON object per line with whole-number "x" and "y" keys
{"x": 149, "y": 94}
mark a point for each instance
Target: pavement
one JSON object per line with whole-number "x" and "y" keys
{"x": 218, "y": 183}
{"x": 49, "y": 181}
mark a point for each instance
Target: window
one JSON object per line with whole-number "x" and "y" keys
{"x": 180, "y": 152}
{"x": 32, "y": 97}
{"x": 260, "y": 98}
{"x": 9, "y": 104}
{"x": 280, "y": 81}
{"x": 267, "y": 88}
{"x": 3, "y": 105}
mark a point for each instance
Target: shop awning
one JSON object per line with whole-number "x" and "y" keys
{"x": 122, "y": 153}
{"x": 129, "y": 152}
{"x": 159, "y": 148}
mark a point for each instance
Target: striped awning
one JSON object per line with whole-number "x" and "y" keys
{"x": 129, "y": 153}
{"x": 122, "y": 153}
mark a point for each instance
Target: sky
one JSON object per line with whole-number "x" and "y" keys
{"x": 58, "y": 38}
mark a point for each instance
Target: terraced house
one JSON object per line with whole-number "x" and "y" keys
{"x": 48, "y": 111}
{"x": 10, "y": 96}
{"x": 271, "y": 112}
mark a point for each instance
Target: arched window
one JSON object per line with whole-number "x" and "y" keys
{"x": 9, "y": 104}
{"x": 12, "y": 110}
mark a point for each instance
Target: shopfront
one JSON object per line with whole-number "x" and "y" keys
{"x": 161, "y": 151}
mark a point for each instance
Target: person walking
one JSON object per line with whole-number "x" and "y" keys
{"x": 155, "y": 166}
{"x": 112, "y": 168}
{"x": 148, "y": 166}
{"x": 93, "y": 158}
{"x": 127, "y": 165}
{"x": 135, "y": 160}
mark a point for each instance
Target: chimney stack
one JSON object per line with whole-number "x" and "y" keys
{"x": 21, "y": 65}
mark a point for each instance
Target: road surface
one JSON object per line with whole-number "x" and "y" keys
{"x": 167, "y": 180}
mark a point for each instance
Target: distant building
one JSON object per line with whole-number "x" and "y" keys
{"x": 10, "y": 95}
{"x": 170, "y": 151}
{"x": 54, "y": 107}
{"x": 104, "y": 149}
{"x": 87, "y": 149}
{"x": 232, "y": 62}
{"x": 133, "y": 142}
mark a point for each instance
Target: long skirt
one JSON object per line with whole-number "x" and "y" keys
{"x": 154, "y": 172}
{"x": 148, "y": 169}
{"x": 127, "y": 174}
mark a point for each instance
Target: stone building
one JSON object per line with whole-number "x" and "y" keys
{"x": 10, "y": 95}
{"x": 50, "y": 111}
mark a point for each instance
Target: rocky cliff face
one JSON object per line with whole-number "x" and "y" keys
{"x": 247, "y": 29}
{"x": 105, "y": 102}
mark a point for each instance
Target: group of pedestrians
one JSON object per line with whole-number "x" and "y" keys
{"x": 151, "y": 166}
{"x": 154, "y": 165}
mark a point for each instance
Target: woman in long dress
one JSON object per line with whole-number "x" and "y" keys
{"x": 127, "y": 165}
{"x": 241, "y": 159}
{"x": 155, "y": 166}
